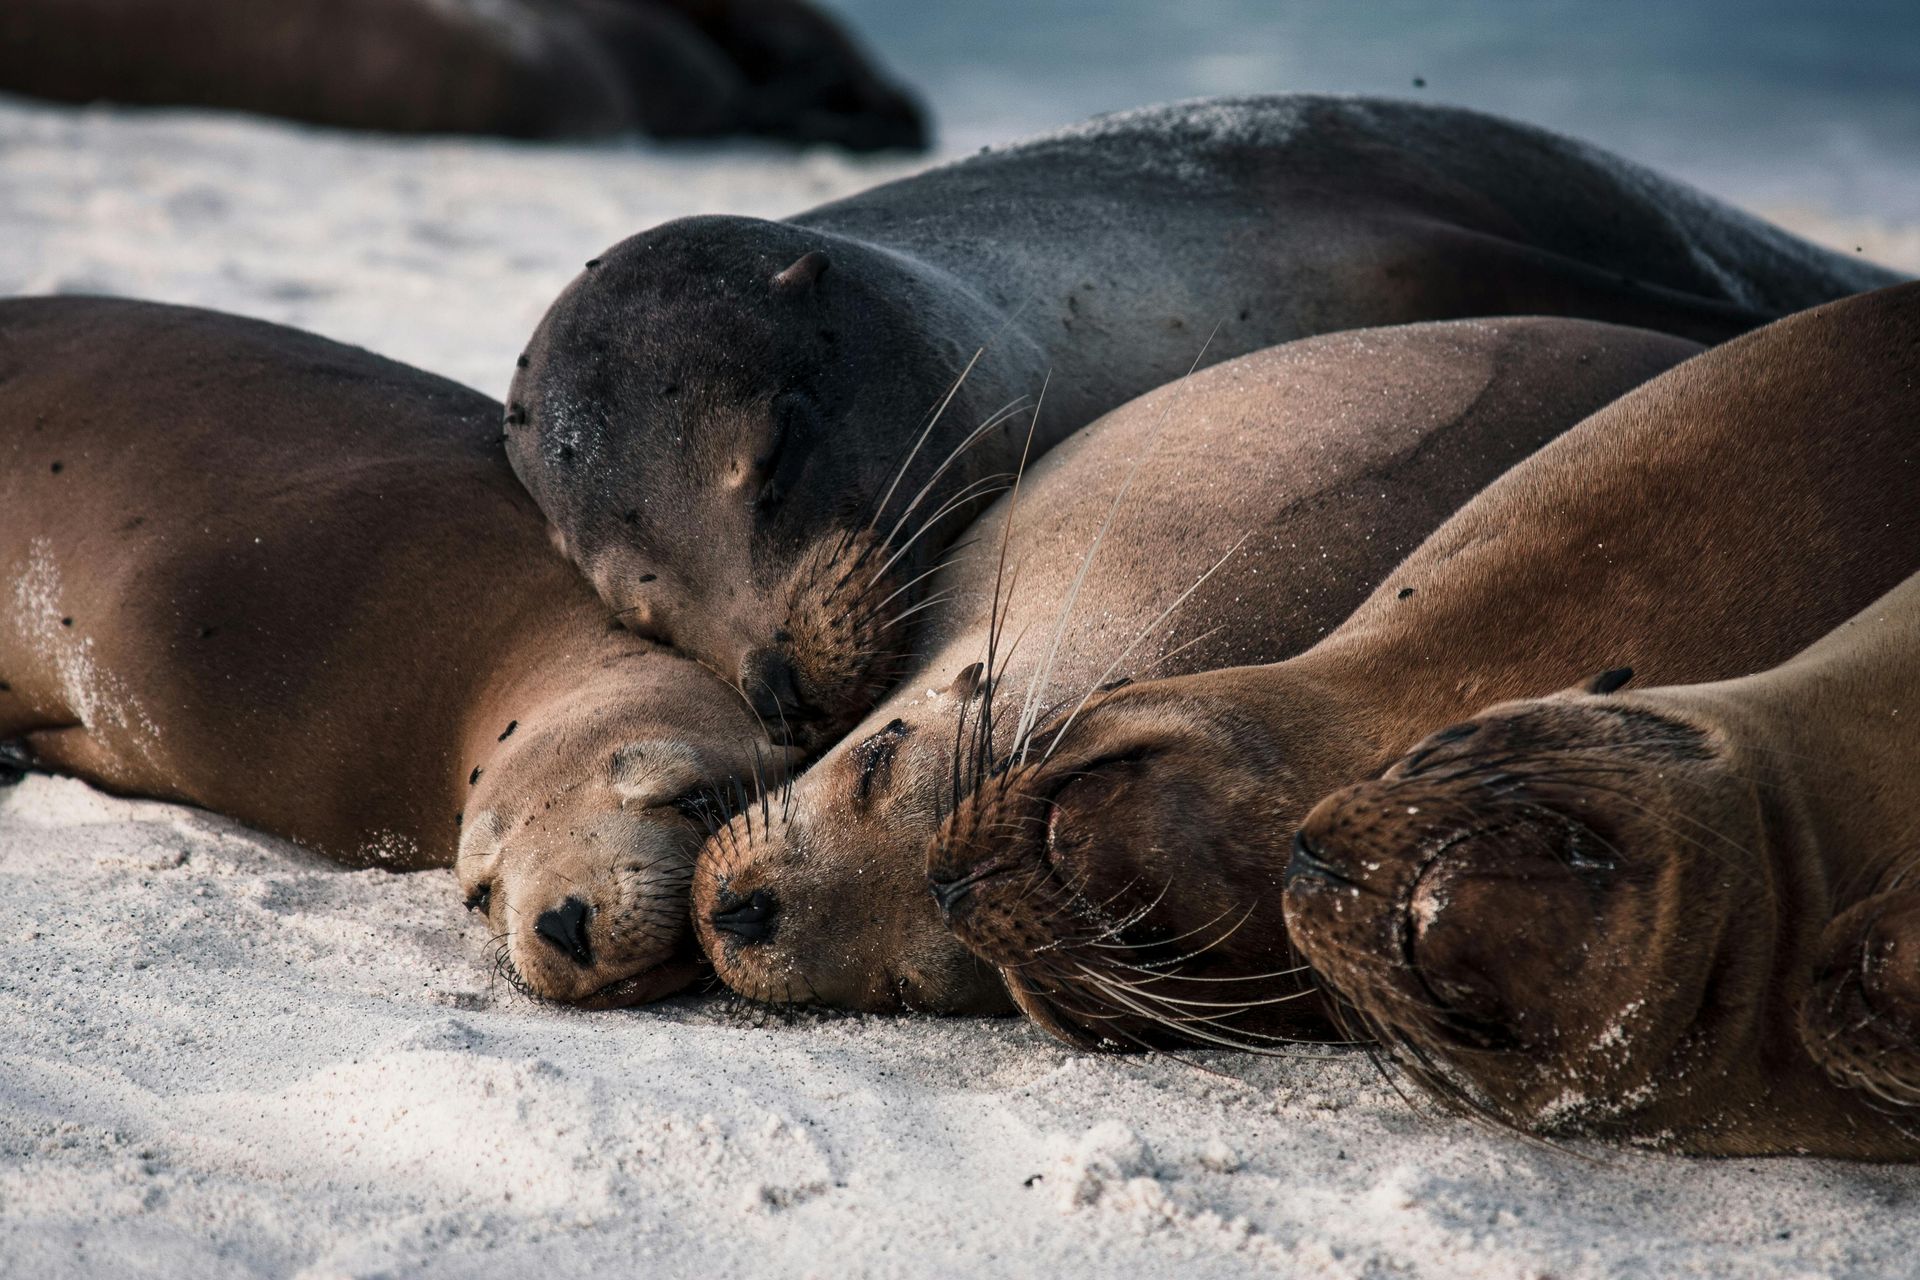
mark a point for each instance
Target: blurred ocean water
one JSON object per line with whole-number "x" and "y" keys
{"x": 1773, "y": 103}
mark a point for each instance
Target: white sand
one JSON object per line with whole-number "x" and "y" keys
{"x": 220, "y": 1056}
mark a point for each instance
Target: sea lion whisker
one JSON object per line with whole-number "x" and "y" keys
{"x": 979, "y": 433}
{"x": 1144, "y": 633}
{"x": 1043, "y": 673}
{"x": 932, "y": 421}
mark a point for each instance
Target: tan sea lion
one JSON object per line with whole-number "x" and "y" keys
{"x": 1684, "y": 916}
{"x": 253, "y": 570}
{"x": 1708, "y": 524}
{"x": 748, "y": 434}
{"x": 1331, "y": 457}
{"x": 523, "y": 68}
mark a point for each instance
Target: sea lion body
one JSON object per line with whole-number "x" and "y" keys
{"x": 522, "y": 68}
{"x": 1312, "y": 468}
{"x": 1681, "y": 915}
{"x": 1707, "y": 525}
{"x": 256, "y": 571}
{"x": 745, "y": 432}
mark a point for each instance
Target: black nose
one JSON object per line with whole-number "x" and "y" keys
{"x": 767, "y": 678}
{"x": 948, "y": 893}
{"x": 749, "y": 919}
{"x": 565, "y": 927}
{"x": 1310, "y": 860}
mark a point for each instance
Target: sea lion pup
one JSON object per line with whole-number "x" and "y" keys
{"x": 749, "y": 434}
{"x": 253, "y": 570}
{"x": 1331, "y": 457}
{"x": 523, "y": 68}
{"x": 1706, "y": 525}
{"x": 1684, "y": 916}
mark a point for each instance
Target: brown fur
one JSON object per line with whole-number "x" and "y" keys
{"x": 252, "y": 570}
{"x": 524, "y": 68}
{"x": 1707, "y": 525}
{"x": 1332, "y": 457}
{"x": 1684, "y": 916}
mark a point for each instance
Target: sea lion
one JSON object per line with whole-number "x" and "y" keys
{"x": 1330, "y": 457}
{"x": 747, "y": 433}
{"x": 1684, "y": 916}
{"x": 522, "y": 68}
{"x": 283, "y": 579}
{"x": 1706, "y": 525}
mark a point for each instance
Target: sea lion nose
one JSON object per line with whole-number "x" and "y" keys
{"x": 565, "y": 928}
{"x": 767, "y": 678}
{"x": 749, "y": 919}
{"x": 1312, "y": 859}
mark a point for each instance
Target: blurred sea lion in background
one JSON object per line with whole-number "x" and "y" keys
{"x": 286, "y": 580}
{"x": 779, "y": 69}
{"x": 749, "y": 434}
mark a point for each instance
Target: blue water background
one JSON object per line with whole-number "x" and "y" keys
{"x": 1769, "y": 102}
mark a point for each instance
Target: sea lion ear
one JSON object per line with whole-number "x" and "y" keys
{"x": 803, "y": 274}
{"x": 1609, "y": 681}
{"x": 967, "y": 683}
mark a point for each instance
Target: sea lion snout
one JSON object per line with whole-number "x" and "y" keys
{"x": 565, "y": 928}
{"x": 1501, "y": 905}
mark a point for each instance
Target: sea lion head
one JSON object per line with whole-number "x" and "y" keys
{"x": 819, "y": 894}
{"x": 1122, "y": 871}
{"x": 707, "y": 417}
{"x": 1552, "y": 913}
{"x": 577, "y": 840}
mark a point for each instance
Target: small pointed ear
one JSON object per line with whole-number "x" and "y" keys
{"x": 1121, "y": 683}
{"x": 803, "y": 274}
{"x": 1608, "y": 681}
{"x": 967, "y": 683}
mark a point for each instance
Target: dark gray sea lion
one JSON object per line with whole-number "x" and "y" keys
{"x": 1707, "y": 525}
{"x": 1311, "y": 467}
{"x": 756, "y": 437}
{"x": 524, "y": 68}
{"x": 249, "y": 569}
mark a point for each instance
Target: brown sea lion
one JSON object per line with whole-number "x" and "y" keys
{"x": 1708, "y": 524}
{"x": 522, "y": 68}
{"x": 749, "y": 433}
{"x": 1313, "y": 467}
{"x": 1685, "y": 916}
{"x": 252, "y": 570}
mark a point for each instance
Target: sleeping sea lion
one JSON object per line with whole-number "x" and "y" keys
{"x": 1684, "y": 916}
{"x": 1707, "y": 525}
{"x": 1313, "y": 467}
{"x": 749, "y": 433}
{"x": 522, "y": 68}
{"x": 253, "y": 570}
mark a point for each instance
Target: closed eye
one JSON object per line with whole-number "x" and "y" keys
{"x": 876, "y": 754}
{"x": 795, "y": 428}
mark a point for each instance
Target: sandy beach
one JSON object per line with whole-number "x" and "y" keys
{"x": 222, "y": 1056}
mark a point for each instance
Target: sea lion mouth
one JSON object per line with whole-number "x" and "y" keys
{"x": 680, "y": 970}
